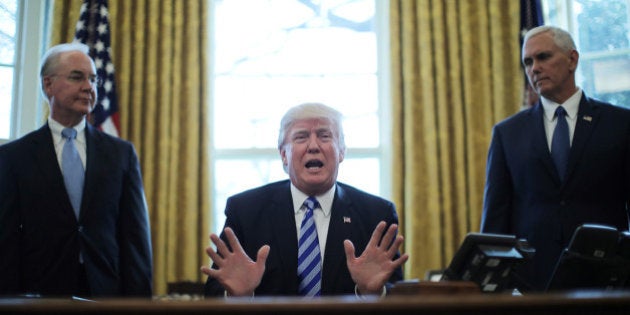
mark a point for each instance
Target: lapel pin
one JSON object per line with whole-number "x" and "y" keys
{"x": 346, "y": 220}
{"x": 588, "y": 118}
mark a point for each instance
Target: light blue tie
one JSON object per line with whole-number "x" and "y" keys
{"x": 309, "y": 257}
{"x": 560, "y": 143}
{"x": 72, "y": 168}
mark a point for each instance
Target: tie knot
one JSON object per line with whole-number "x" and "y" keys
{"x": 311, "y": 203}
{"x": 560, "y": 112}
{"x": 69, "y": 133}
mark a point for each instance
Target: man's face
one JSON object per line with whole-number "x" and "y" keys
{"x": 312, "y": 155}
{"x": 69, "y": 90}
{"x": 550, "y": 71}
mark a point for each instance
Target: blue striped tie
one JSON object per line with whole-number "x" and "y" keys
{"x": 72, "y": 168}
{"x": 309, "y": 257}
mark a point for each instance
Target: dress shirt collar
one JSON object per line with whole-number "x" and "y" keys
{"x": 325, "y": 200}
{"x": 570, "y": 106}
{"x": 56, "y": 128}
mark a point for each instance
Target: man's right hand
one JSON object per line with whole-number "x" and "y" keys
{"x": 238, "y": 274}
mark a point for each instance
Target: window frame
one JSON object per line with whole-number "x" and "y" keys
{"x": 565, "y": 18}
{"x": 32, "y": 35}
{"x": 382, "y": 152}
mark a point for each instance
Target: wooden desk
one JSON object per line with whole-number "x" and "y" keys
{"x": 569, "y": 303}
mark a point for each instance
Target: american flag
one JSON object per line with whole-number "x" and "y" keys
{"x": 531, "y": 16}
{"x": 93, "y": 30}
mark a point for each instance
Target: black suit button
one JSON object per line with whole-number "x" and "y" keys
{"x": 563, "y": 203}
{"x": 80, "y": 229}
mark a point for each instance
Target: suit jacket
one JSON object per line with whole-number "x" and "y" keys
{"x": 40, "y": 237}
{"x": 265, "y": 215}
{"x": 525, "y": 197}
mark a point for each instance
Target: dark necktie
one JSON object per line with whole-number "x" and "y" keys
{"x": 309, "y": 257}
{"x": 560, "y": 143}
{"x": 72, "y": 168}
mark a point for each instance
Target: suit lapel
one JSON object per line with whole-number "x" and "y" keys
{"x": 540, "y": 147}
{"x": 93, "y": 157}
{"x": 46, "y": 157}
{"x": 587, "y": 119}
{"x": 339, "y": 230}
{"x": 282, "y": 214}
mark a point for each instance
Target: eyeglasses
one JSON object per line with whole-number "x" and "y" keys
{"x": 79, "y": 77}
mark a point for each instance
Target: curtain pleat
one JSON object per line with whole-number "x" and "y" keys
{"x": 455, "y": 73}
{"x": 159, "y": 50}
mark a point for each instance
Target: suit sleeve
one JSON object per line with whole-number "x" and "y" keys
{"x": 9, "y": 229}
{"x": 136, "y": 251}
{"x": 498, "y": 190}
{"x": 628, "y": 176}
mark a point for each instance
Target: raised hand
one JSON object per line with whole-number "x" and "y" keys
{"x": 238, "y": 274}
{"x": 372, "y": 269}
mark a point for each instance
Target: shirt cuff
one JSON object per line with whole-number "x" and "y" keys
{"x": 225, "y": 294}
{"x": 361, "y": 297}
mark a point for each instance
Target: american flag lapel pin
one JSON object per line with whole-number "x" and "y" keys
{"x": 588, "y": 118}
{"x": 346, "y": 220}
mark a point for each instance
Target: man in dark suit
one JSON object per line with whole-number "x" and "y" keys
{"x": 50, "y": 244}
{"x": 266, "y": 223}
{"x": 534, "y": 193}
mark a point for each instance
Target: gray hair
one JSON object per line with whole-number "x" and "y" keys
{"x": 560, "y": 37}
{"x": 312, "y": 110}
{"x": 50, "y": 60}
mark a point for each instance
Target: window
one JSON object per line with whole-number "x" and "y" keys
{"x": 8, "y": 22}
{"x": 23, "y": 26}
{"x": 601, "y": 30}
{"x": 269, "y": 55}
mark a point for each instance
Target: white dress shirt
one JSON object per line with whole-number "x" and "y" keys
{"x": 59, "y": 141}
{"x": 321, "y": 215}
{"x": 570, "y": 106}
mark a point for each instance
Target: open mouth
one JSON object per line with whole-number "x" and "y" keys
{"x": 314, "y": 164}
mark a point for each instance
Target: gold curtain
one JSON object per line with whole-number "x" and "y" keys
{"x": 455, "y": 73}
{"x": 159, "y": 50}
